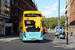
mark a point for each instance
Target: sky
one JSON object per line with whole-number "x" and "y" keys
{"x": 49, "y": 8}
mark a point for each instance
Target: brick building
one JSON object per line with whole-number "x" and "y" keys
{"x": 67, "y": 18}
{"x": 17, "y": 8}
{"x": 72, "y": 16}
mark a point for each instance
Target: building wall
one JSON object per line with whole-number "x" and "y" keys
{"x": 67, "y": 16}
{"x": 4, "y": 14}
{"x": 72, "y": 16}
{"x": 5, "y": 8}
{"x": 17, "y": 8}
{"x": 72, "y": 10}
{"x": 43, "y": 17}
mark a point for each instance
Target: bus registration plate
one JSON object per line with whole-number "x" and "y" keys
{"x": 32, "y": 39}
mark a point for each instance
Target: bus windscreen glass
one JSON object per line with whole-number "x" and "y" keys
{"x": 32, "y": 15}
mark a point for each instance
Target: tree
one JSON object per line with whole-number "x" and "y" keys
{"x": 62, "y": 20}
{"x": 53, "y": 22}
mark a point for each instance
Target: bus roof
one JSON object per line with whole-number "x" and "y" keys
{"x": 28, "y": 12}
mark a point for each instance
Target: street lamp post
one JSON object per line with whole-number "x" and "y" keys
{"x": 67, "y": 30}
{"x": 59, "y": 18}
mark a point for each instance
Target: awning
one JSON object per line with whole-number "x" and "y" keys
{"x": 72, "y": 23}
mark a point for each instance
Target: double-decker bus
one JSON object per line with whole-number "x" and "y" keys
{"x": 30, "y": 26}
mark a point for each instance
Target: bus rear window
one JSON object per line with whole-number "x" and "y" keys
{"x": 32, "y": 15}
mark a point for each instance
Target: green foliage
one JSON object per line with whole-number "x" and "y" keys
{"x": 62, "y": 20}
{"x": 52, "y": 22}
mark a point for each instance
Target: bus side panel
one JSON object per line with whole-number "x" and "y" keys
{"x": 21, "y": 35}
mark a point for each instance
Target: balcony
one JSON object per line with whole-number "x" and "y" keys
{"x": 72, "y": 23}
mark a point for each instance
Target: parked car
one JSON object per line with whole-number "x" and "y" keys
{"x": 62, "y": 35}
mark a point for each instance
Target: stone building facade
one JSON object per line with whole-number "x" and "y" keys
{"x": 4, "y": 14}
{"x": 68, "y": 16}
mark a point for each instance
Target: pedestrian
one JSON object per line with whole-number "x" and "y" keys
{"x": 71, "y": 33}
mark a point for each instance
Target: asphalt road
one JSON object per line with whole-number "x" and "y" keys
{"x": 46, "y": 44}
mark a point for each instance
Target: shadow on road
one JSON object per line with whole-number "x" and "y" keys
{"x": 8, "y": 36}
{"x": 44, "y": 33}
{"x": 46, "y": 40}
{"x": 42, "y": 41}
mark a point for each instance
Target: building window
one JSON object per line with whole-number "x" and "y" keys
{"x": 14, "y": 2}
{"x": 14, "y": 12}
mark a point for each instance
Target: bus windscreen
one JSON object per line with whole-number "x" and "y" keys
{"x": 32, "y": 15}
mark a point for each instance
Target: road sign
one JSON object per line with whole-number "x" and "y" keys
{"x": 8, "y": 24}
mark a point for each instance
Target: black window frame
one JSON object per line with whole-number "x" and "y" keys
{"x": 32, "y": 16}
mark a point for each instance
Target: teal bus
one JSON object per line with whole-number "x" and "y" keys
{"x": 30, "y": 26}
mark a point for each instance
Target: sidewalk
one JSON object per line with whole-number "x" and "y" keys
{"x": 72, "y": 38}
{"x": 4, "y": 39}
{"x": 51, "y": 31}
{"x": 63, "y": 42}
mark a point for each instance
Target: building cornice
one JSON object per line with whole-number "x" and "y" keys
{"x": 4, "y": 16}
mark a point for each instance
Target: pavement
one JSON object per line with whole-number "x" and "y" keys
{"x": 63, "y": 42}
{"x": 4, "y": 39}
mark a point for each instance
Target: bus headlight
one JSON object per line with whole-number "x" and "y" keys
{"x": 26, "y": 27}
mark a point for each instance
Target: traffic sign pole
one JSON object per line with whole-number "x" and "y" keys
{"x": 59, "y": 19}
{"x": 67, "y": 30}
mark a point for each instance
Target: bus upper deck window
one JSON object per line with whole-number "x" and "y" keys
{"x": 32, "y": 15}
